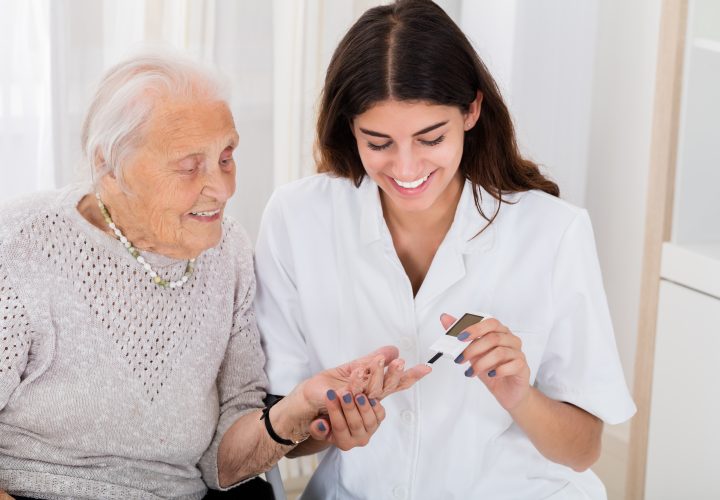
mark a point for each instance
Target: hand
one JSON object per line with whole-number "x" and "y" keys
{"x": 5, "y": 496}
{"x": 366, "y": 374}
{"x": 351, "y": 420}
{"x": 495, "y": 357}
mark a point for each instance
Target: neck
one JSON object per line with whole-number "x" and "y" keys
{"x": 436, "y": 219}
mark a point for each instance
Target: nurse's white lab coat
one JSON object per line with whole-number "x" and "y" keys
{"x": 331, "y": 288}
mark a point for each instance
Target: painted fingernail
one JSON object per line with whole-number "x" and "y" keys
{"x": 331, "y": 395}
{"x": 469, "y": 372}
{"x": 463, "y": 336}
{"x": 361, "y": 399}
{"x": 347, "y": 398}
{"x": 492, "y": 373}
{"x": 373, "y": 402}
{"x": 460, "y": 358}
{"x": 321, "y": 427}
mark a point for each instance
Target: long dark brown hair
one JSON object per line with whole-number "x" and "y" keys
{"x": 412, "y": 51}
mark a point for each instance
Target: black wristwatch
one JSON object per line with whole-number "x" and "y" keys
{"x": 270, "y": 401}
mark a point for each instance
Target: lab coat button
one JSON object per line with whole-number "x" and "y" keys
{"x": 406, "y": 343}
{"x": 407, "y": 416}
{"x": 400, "y": 492}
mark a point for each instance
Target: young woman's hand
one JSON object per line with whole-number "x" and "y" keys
{"x": 351, "y": 420}
{"x": 494, "y": 355}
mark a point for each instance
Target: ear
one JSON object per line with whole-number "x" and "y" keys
{"x": 473, "y": 113}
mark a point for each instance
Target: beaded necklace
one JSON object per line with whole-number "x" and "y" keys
{"x": 136, "y": 254}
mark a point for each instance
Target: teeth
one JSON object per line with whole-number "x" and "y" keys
{"x": 206, "y": 214}
{"x": 411, "y": 185}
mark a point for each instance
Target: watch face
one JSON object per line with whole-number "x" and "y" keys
{"x": 465, "y": 321}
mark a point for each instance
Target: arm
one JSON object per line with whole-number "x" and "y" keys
{"x": 560, "y": 431}
{"x": 15, "y": 339}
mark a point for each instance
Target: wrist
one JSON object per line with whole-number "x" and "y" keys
{"x": 523, "y": 408}
{"x": 291, "y": 417}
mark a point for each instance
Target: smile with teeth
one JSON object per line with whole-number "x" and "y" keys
{"x": 411, "y": 184}
{"x": 206, "y": 214}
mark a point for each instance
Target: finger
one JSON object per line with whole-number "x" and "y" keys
{"x": 491, "y": 360}
{"x": 446, "y": 320}
{"x": 412, "y": 375}
{"x": 352, "y": 415}
{"x": 517, "y": 366}
{"x": 379, "y": 409}
{"x": 335, "y": 416}
{"x": 486, "y": 343}
{"x": 479, "y": 330}
{"x": 359, "y": 379}
{"x": 392, "y": 376}
{"x": 375, "y": 386}
{"x": 367, "y": 413}
{"x": 320, "y": 429}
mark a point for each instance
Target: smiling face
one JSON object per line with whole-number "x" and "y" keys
{"x": 178, "y": 181}
{"x": 412, "y": 150}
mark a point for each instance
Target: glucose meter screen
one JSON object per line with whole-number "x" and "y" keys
{"x": 464, "y": 322}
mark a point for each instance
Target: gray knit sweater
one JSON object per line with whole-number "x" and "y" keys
{"x": 111, "y": 387}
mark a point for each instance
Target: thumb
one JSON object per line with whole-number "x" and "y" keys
{"x": 320, "y": 429}
{"x": 447, "y": 320}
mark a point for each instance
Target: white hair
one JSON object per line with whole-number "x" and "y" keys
{"x": 114, "y": 126}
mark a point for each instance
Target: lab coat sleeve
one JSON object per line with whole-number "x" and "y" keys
{"x": 278, "y": 306}
{"x": 581, "y": 365}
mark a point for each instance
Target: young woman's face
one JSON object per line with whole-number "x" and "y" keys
{"x": 412, "y": 150}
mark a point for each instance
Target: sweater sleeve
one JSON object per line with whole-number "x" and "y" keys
{"x": 241, "y": 381}
{"x": 15, "y": 337}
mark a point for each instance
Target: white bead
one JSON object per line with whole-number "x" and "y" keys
{"x": 128, "y": 245}
{"x": 172, "y": 285}
{"x": 184, "y": 279}
{"x": 141, "y": 259}
{"x": 123, "y": 239}
{"x": 153, "y": 274}
{"x": 147, "y": 267}
{"x": 113, "y": 226}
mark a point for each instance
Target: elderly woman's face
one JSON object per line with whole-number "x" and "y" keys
{"x": 179, "y": 180}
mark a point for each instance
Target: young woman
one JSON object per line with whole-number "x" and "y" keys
{"x": 425, "y": 210}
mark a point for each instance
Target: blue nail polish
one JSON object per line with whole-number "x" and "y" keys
{"x": 373, "y": 402}
{"x": 321, "y": 427}
{"x": 361, "y": 399}
{"x": 469, "y": 372}
{"x": 331, "y": 395}
{"x": 463, "y": 336}
{"x": 492, "y": 373}
{"x": 460, "y": 358}
{"x": 347, "y": 398}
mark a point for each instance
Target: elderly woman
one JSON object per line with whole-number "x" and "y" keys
{"x": 130, "y": 362}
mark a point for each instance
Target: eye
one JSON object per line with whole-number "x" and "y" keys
{"x": 379, "y": 147}
{"x": 226, "y": 158}
{"x": 188, "y": 165}
{"x": 434, "y": 142}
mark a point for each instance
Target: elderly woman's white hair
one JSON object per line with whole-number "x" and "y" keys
{"x": 125, "y": 99}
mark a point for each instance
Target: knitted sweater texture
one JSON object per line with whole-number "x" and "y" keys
{"x": 110, "y": 386}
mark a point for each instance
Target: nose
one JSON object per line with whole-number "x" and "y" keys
{"x": 219, "y": 185}
{"x": 406, "y": 165}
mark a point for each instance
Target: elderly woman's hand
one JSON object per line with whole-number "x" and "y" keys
{"x": 348, "y": 396}
{"x": 5, "y": 496}
{"x": 364, "y": 375}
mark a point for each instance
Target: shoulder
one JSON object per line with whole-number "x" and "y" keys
{"x": 309, "y": 197}
{"x": 19, "y": 214}
{"x": 539, "y": 211}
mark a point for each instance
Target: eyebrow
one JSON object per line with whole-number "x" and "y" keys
{"x": 232, "y": 142}
{"x": 419, "y": 132}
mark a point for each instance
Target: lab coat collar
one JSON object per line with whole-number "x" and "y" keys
{"x": 463, "y": 234}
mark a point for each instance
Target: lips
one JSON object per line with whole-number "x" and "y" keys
{"x": 412, "y": 187}
{"x": 205, "y": 215}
